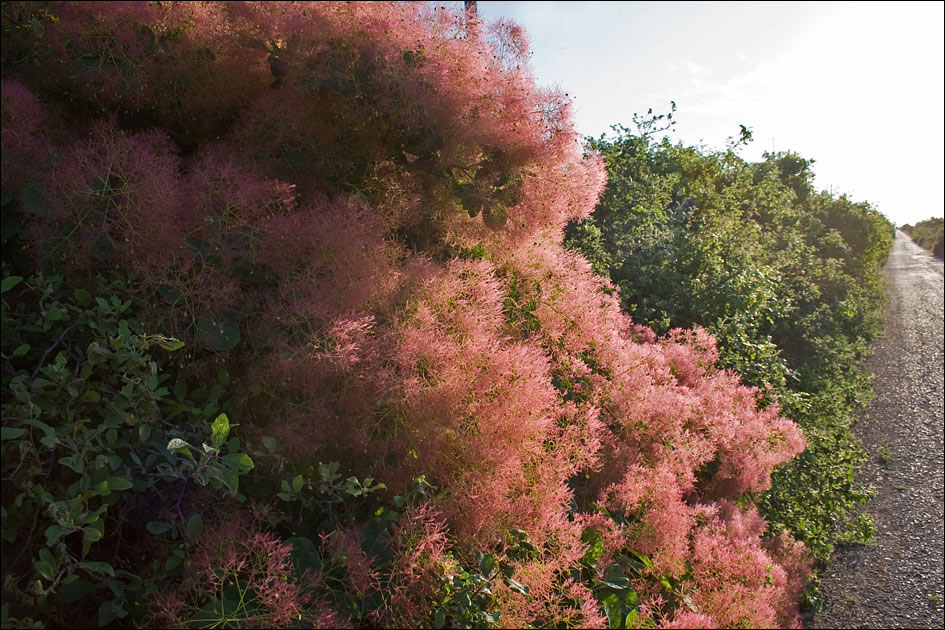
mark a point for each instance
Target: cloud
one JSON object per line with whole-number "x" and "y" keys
{"x": 694, "y": 67}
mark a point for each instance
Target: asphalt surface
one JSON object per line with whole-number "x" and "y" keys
{"x": 898, "y": 582}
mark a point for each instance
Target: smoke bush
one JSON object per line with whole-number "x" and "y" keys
{"x": 360, "y": 206}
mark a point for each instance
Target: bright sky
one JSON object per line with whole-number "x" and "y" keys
{"x": 858, "y": 87}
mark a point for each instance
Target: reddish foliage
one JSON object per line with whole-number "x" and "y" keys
{"x": 114, "y": 199}
{"x": 420, "y": 563}
{"x": 24, "y": 149}
{"x": 231, "y": 555}
{"x": 387, "y": 238}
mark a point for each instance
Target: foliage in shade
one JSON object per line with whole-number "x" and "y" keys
{"x": 309, "y": 193}
{"x": 25, "y": 146}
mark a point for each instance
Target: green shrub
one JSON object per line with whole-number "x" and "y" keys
{"x": 929, "y": 234}
{"x": 102, "y": 483}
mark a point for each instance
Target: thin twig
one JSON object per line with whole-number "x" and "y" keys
{"x": 42, "y": 359}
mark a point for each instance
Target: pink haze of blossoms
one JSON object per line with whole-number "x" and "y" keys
{"x": 375, "y": 193}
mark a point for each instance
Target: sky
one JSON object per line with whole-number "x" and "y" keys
{"x": 857, "y": 87}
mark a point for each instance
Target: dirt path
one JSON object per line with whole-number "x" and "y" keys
{"x": 898, "y": 583}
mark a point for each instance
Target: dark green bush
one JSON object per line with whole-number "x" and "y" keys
{"x": 98, "y": 453}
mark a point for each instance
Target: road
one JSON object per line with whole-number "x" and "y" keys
{"x": 898, "y": 582}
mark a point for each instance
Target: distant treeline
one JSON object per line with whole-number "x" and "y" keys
{"x": 929, "y": 234}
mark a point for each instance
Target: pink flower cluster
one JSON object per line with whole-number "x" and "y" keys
{"x": 246, "y": 578}
{"x": 374, "y": 195}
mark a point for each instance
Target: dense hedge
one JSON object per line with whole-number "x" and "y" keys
{"x": 929, "y": 234}
{"x": 786, "y": 278}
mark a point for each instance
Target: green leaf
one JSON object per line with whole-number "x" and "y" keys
{"x": 439, "y": 618}
{"x": 157, "y": 527}
{"x": 644, "y": 559}
{"x": 238, "y": 461}
{"x": 207, "y": 617}
{"x": 180, "y": 389}
{"x": 10, "y": 433}
{"x": 170, "y": 344}
{"x": 98, "y": 567}
{"x": 9, "y": 282}
{"x": 54, "y": 533}
{"x": 614, "y": 573}
{"x": 221, "y": 429}
{"x": 229, "y": 478}
{"x": 516, "y": 586}
{"x": 50, "y": 439}
{"x": 46, "y": 556}
{"x": 93, "y": 534}
{"x": 631, "y": 621}
{"x": 269, "y": 443}
{"x": 305, "y": 556}
{"x": 21, "y": 349}
{"x": 45, "y": 569}
{"x": 47, "y": 565}
{"x": 614, "y": 611}
{"x": 617, "y": 584}
{"x": 194, "y": 525}
{"x": 74, "y": 591}
{"x": 487, "y": 564}
{"x": 297, "y": 483}
{"x": 177, "y": 444}
{"x": 82, "y": 297}
{"x": 172, "y": 563}
{"x": 119, "y": 483}
{"x": 327, "y": 471}
{"x": 595, "y": 546}
{"x": 91, "y": 396}
{"x": 110, "y": 611}
{"x": 353, "y": 486}
{"x": 75, "y": 462}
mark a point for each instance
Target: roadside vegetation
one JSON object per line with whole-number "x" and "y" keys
{"x": 929, "y": 234}
{"x": 786, "y": 278}
{"x": 291, "y": 338}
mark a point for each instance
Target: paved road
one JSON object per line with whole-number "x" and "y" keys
{"x": 898, "y": 583}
